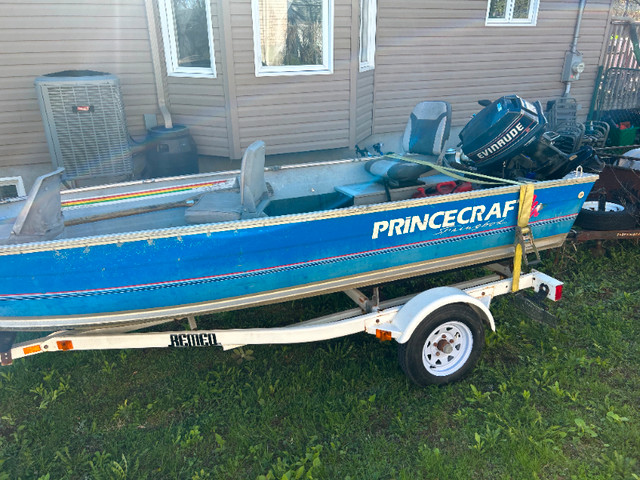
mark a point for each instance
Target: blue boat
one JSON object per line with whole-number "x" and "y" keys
{"x": 148, "y": 251}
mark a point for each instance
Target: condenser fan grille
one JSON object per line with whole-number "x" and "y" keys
{"x": 86, "y": 125}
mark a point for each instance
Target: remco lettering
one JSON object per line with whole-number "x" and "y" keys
{"x": 193, "y": 340}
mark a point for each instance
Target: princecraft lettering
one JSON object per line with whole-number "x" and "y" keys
{"x": 502, "y": 141}
{"x": 443, "y": 219}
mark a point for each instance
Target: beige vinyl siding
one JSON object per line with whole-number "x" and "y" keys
{"x": 431, "y": 50}
{"x": 47, "y": 36}
{"x": 425, "y": 49}
{"x": 200, "y": 102}
{"x": 292, "y": 113}
{"x": 364, "y": 105}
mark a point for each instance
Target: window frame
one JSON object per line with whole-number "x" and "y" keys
{"x": 509, "y": 21}
{"x": 167, "y": 22}
{"x": 371, "y": 19}
{"x": 287, "y": 70}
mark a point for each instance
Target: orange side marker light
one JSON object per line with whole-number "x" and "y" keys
{"x": 383, "y": 335}
{"x": 31, "y": 349}
{"x": 65, "y": 345}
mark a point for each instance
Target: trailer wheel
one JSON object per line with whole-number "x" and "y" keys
{"x": 445, "y": 346}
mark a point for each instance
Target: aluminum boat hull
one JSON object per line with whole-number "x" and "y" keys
{"x": 153, "y": 274}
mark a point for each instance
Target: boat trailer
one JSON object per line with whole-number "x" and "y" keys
{"x": 440, "y": 331}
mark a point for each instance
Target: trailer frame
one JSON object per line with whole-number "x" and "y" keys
{"x": 395, "y": 319}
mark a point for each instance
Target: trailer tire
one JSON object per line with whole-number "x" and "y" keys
{"x": 444, "y": 347}
{"x": 613, "y": 217}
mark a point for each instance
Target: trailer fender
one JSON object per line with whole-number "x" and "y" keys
{"x": 423, "y": 304}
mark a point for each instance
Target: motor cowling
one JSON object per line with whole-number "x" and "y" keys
{"x": 503, "y": 129}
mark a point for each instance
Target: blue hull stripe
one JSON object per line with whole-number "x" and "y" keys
{"x": 271, "y": 270}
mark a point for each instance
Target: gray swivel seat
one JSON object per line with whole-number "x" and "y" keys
{"x": 425, "y": 134}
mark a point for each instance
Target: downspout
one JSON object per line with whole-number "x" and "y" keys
{"x": 574, "y": 44}
{"x": 157, "y": 66}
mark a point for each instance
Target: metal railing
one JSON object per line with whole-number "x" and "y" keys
{"x": 617, "y": 93}
{"x": 619, "y": 50}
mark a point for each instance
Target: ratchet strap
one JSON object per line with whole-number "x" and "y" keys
{"x": 524, "y": 236}
{"x": 454, "y": 173}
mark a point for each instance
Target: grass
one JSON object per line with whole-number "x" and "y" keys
{"x": 543, "y": 403}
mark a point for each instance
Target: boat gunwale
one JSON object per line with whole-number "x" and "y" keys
{"x": 209, "y": 228}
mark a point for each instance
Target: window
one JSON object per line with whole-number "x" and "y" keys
{"x": 188, "y": 38}
{"x": 293, "y": 37}
{"x": 512, "y": 12}
{"x": 368, "y": 12}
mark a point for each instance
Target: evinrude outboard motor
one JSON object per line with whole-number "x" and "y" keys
{"x": 501, "y": 130}
{"x": 509, "y": 138}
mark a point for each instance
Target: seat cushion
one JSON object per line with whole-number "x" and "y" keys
{"x": 215, "y": 207}
{"x": 397, "y": 171}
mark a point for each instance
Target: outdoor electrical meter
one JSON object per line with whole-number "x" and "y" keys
{"x": 573, "y": 66}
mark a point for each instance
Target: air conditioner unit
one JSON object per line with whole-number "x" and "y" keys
{"x": 85, "y": 124}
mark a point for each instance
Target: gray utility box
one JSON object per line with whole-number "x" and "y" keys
{"x": 85, "y": 124}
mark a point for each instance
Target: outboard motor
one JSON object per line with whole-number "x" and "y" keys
{"x": 501, "y": 130}
{"x": 509, "y": 138}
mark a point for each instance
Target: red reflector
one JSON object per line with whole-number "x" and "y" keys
{"x": 559, "y": 292}
{"x": 383, "y": 335}
{"x": 65, "y": 345}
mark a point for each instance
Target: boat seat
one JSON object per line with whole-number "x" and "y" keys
{"x": 247, "y": 200}
{"x": 426, "y": 132}
{"x": 40, "y": 217}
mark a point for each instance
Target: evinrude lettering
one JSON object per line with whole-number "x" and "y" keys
{"x": 502, "y": 141}
{"x": 442, "y": 219}
{"x": 193, "y": 340}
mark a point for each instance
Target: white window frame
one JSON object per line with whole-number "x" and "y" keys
{"x": 327, "y": 47}
{"x": 509, "y": 21}
{"x": 167, "y": 20}
{"x": 368, "y": 47}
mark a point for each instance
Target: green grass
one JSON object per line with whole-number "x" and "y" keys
{"x": 543, "y": 403}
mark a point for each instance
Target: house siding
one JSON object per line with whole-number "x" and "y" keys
{"x": 292, "y": 113}
{"x": 444, "y": 51}
{"x": 43, "y": 37}
{"x": 425, "y": 49}
{"x": 364, "y": 104}
{"x": 201, "y": 103}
